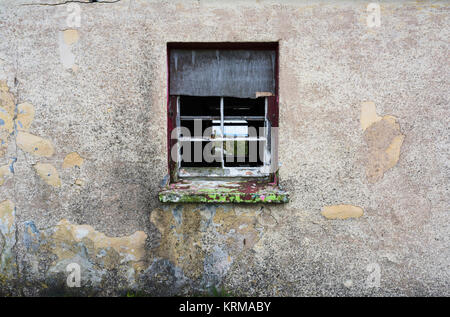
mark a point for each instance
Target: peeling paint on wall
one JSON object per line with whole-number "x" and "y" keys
{"x": 111, "y": 250}
{"x": 34, "y": 144}
{"x": 6, "y": 121}
{"x": 70, "y": 36}
{"x": 25, "y": 116}
{"x": 3, "y": 142}
{"x": 368, "y": 114}
{"x": 66, "y": 39}
{"x": 72, "y": 159}
{"x": 112, "y": 115}
{"x": 5, "y": 173}
{"x": 342, "y": 211}
{"x": 180, "y": 239}
{"x": 6, "y": 99}
{"x": 239, "y": 229}
{"x": 7, "y": 106}
{"x": 48, "y": 173}
{"x": 95, "y": 252}
{"x": 200, "y": 238}
{"x": 384, "y": 140}
{"x": 7, "y": 215}
{"x": 79, "y": 182}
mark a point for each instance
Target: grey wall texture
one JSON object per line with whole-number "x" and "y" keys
{"x": 364, "y": 147}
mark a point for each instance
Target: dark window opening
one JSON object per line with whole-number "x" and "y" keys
{"x": 222, "y": 108}
{"x": 236, "y": 127}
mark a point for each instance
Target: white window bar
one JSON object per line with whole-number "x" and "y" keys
{"x": 221, "y": 133}
{"x": 221, "y": 139}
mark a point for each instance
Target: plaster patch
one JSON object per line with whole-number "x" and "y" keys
{"x": 393, "y": 151}
{"x": 180, "y": 240}
{"x": 3, "y": 142}
{"x": 342, "y": 211}
{"x": 70, "y": 36}
{"x": 67, "y": 58}
{"x": 79, "y": 182}
{"x": 48, "y": 173}
{"x": 69, "y": 240}
{"x": 6, "y": 121}
{"x": 5, "y": 173}
{"x": 81, "y": 233}
{"x": 72, "y": 159}
{"x": 3, "y": 86}
{"x": 6, "y": 215}
{"x": 25, "y": 116}
{"x": 198, "y": 240}
{"x": 243, "y": 225}
{"x": 368, "y": 114}
{"x": 383, "y": 139}
{"x": 34, "y": 144}
{"x": 6, "y": 98}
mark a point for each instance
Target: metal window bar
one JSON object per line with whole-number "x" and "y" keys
{"x": 221, "y": 132}
{"x": 252, "y": 118}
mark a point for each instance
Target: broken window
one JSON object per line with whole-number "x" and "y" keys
{"x": 222, "y": 132}
{"x": 222, "y": 111}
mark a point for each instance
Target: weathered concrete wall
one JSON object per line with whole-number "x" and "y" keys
{"x": 363, "y": 144}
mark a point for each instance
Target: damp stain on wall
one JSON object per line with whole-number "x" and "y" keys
{"x": 196, "y": 238}
{"x": 7, "y": 240}
{"x": 94, "y": 251}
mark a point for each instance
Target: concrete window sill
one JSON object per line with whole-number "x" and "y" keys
{"x": 214, "y": 191}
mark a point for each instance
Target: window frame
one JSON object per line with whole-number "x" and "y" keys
{"x": 176, "y": 172}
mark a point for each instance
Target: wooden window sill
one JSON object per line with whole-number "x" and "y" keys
{"x": 228, "y": 191}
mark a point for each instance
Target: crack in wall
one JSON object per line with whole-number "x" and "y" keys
{"x": 66, "y": 2}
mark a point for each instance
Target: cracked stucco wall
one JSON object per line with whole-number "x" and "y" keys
{"x": 363, "y": 145}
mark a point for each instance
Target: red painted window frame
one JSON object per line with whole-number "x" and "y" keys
{"x": 273, "y": 104}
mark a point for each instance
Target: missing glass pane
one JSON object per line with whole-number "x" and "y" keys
{"x": 222, "y": 132}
